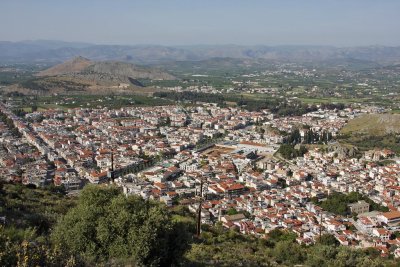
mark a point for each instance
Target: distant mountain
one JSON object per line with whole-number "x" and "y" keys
{"x": 33, "y": 50}
{"x": 54, "y": 51}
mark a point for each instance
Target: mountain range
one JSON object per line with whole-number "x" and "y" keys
{"x": 56, "y": 51}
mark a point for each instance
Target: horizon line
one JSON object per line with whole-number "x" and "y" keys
{"x": 199, "y": 44}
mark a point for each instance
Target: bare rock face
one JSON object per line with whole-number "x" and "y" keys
{"x": 374, "y": 124}
{"x": 390, "y": 121}
{"x": 343, "y": 151}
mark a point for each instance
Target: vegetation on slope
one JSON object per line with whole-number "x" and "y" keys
{"x": 221, "y": 248}
{"x": 289, "y": 152}
{"x": 103, "y": 227}
{"x": 372, "y": 131}
{"x": 374, "y": 124}
{"x": 52, "y": 84}
{"x": 338, "y": 203}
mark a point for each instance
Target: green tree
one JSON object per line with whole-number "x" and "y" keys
{"x": 105, "y": 225}
{"x": 277, "y": 235}
{"x": 348, "y": 257}
{"x": 321, "y": 255}
{"x": 232, "y": 211}
{"x": 8, "y": 250}
{"x": 328, "y": 240}
{"x": 288, "y": 252}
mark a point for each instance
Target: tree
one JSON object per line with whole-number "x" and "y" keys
{"x": 348, "y": 257}
{"x": 289, "y": 253}
{"x": 277, "y": 235}
{"x": 321, "y": 255}
{"x": 294, "y": 137}
{"x": 289, "y": 152}
{"x": 327, "y": 240}
{"x": 106, "y": 225}
{"x": 8, "y": 249}
{"x": 338, "y": 202}
{"x": 232, "y": 211}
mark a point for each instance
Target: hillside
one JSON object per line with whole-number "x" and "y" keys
{"x": 372, "y": 131}
{"x": 85, "y": 76}
{"x": 374, "y": 124}
{"x": 102, "y": 227}
{"x": 103, "y": 70}
{"x": 71, "y": 66}
{"x": 124, "y": 71}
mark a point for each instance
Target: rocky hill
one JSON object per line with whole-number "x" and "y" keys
{"x": 342, "y": 150}
{"x": 75, "y": 65}
{"x": 86, "y": 76}
{"x": 372, "y": 131}
{"x": 373, "y": 124}
{"x": 124, "y": 71}
{"x": 104, "y": 71}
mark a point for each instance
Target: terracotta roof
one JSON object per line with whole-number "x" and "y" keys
{"x": 391, "y": 215}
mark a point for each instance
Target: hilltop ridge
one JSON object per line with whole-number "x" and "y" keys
{"x": 74, "y": 65}
{"x": 85, "y": 76}
{"x": 102, "y": 70}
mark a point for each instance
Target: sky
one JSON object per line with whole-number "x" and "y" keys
{"x": 214, "y": 22}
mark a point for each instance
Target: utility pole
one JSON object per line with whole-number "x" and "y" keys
{"x": 112, "y": 167}
{"x": 93, "y": 154}
{"x": 22, "y": 174}
{"x": 320, "y": 226}
{"x": 201, "y": 199}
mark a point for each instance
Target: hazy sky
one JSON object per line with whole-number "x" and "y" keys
{"x": 185, "y": 22}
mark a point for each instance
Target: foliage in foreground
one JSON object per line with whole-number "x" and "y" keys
{"x": 279, "y": 249}
{"x": 105, "y": 225}
{"x": 105, "y": 228}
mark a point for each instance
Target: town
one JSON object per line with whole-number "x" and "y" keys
{"x": 223, "y": 163}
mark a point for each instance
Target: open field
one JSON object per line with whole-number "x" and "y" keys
{"x": 332, "y": 100}
{"x": 216, "y": 151}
